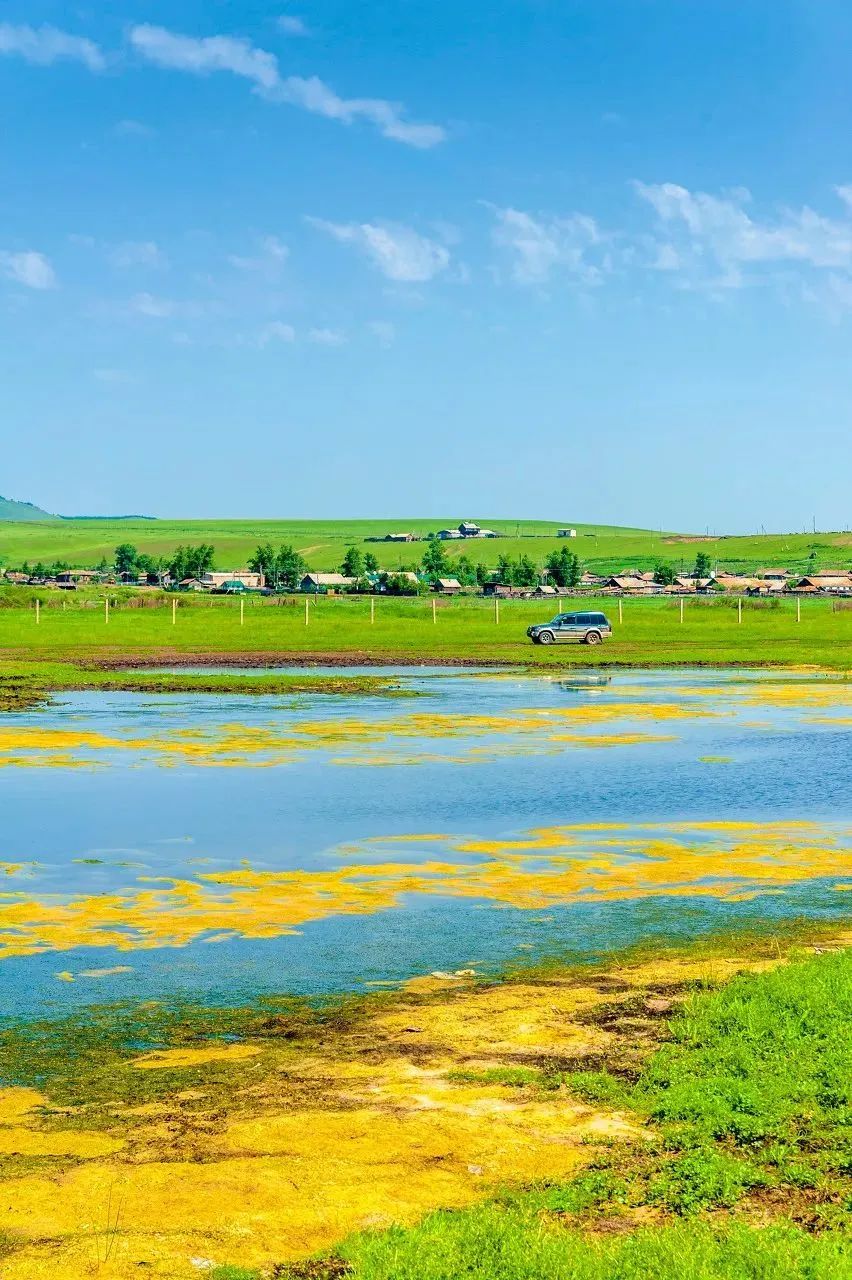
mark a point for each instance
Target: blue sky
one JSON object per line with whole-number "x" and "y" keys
{"x": 581, "y": 260}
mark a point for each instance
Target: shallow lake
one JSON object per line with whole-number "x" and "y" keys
{"x": 220, "y": 848}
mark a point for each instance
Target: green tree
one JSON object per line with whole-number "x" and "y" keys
{"x": 664, "y": 574}
{"x": 564, "y": 567}
{"x": 126, "y": 558}
{"x": 371, "y": 564}
{"x": 353, "y": 563}
{"x": 435, "y": 561}
{"x": 264, "y": 561}
{"x": 465, "y": 570}
{"x": 703, "y": 565}
{"x": 290, "y": 568}
{"x": 483, "y": 574}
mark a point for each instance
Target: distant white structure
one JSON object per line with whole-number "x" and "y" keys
{"x": 566, "y": 533}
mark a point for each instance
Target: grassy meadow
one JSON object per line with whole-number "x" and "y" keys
{"x": 323, "y": 543}
{"x": 75, "y": 629}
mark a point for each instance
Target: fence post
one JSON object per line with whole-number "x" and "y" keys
{"x": 242, "y": 611}
{"x": 620, "y": 613}
{"x": 38, "y": 611}
{"x": 106, "y": 609}
{"x": 798, "y": 608}
{"x": 174, "y": 612}
{"x": 681, "y": 608}
{"x": 372, "y": 609}
{"x": 496, "y": 609}
{"x": 739, "y": 608}
{"x": 434, "y": 610}
{"x": 307, "y": 603}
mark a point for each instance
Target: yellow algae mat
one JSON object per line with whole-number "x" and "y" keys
{"x": 544, "y": 867}
{"x": 264, "y": 1150}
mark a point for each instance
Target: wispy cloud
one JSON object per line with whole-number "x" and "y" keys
{"x": 137, "y": 253}
{"x": 716, "y": 240}
{"x": 290, "y": 25}
{"x": 399, "y": 252}
{"x": 383, "y": 331}
{"x": 28, "y": 268}
{"x": 276, "y": 331}
{"x": 155, "y": 308}
{"x": 538, "y": 246}
{"x": 327, "y": 337}
{"x": 271, "y": 254}
{"x": 132, "y": 129}
{"x": 46, "y": 45}
{"x": 208, "y": 54}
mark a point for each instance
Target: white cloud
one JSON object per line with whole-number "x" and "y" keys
{"x": 400, "y": 253}
{"x": 290, "y": 25}
{"x": 204, "y": 55}
{"x": 716, "y": 239}
{"x": 28, "y": 268}
{"x": 46, "y": 45}
{"x": 327, "y": 337}
{"x": 271, "y": 253}
{"x": 539, "y": 246}
{"x": 133, "y": 129}
{"x": 137, "y": 253}
{"x": 147, "y": 304}
{"x": 277, "y": 331}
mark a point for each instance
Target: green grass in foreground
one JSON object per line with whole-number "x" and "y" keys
{"x": 467, "y": 630}
{"x": 750, "y": 1103}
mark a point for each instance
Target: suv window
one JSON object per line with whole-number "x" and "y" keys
{"x": 592, "y": 619}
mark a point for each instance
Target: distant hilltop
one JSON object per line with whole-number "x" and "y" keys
{"x": 12, "y": 510}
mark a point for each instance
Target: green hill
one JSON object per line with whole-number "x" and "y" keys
{"x": 602, "y": 548}
{"x": 12, "y": 510}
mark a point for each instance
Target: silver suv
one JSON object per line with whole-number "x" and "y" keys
{"x": 572, "y": 628}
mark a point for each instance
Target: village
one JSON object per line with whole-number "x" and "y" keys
{"x": 191, "y": 570}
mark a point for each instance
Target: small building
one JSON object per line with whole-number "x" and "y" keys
{"x": 192, "y": 584}
{"x": 544, "y": 589}
{"x": 839, "y": 584}
{"x": 399, "y": 537}
{"x": 251, "y": 581}
{"x": 446, "y": 535}
{"x": 449, "y": 586}
{"x": 321, "y": 584}
{"x": 81, "y": 576}
{"x": 775, "y": 575}
{"x": 566, "y": 533}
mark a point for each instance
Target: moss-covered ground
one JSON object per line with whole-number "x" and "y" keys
{"x": 686, "y": 1108}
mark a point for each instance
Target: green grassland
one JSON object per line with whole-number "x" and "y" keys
{"x": 322, "y": 543}
{"x": 464, "y": 630}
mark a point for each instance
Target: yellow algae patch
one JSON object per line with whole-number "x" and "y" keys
{"x": 34, "y": 1142}
{"x": 105, "y": 973}
{"x": 18, "y": 1102}
{"x": 542, "y": 869}
{"x": 271, "y": 744}
{"x": 173, "y": 1058}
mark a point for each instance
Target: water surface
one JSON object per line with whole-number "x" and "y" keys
{"x": 219, "y": 847}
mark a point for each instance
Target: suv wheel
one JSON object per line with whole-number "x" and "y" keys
{"x": 592, "y": 637}
{"x": 545, "y": 637}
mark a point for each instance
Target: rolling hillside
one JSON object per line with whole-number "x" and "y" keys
{"x": 322, "y": 543}
{"x": 10, "y": 509}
